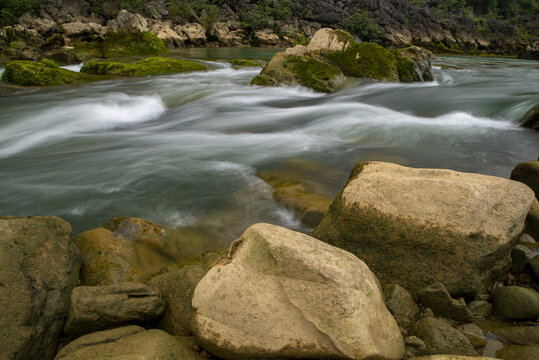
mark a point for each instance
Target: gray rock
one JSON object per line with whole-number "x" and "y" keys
{"x": 126, "y": 21}
{"x": 440, "y": 338}
{"x": 128, "y": 343}
{"x": 480, "y": 308}
{"x": 526, "y": 239}
{"x": 39, "y": 267}
{"x": 520, "y": 257}
{"x": 516, "y": 303}
{"x": 177, "y": 288}
{"x": 401, "y": 304}
{"x": 63, "y": 11}
{"x": 95, "y": 308}
{"x": 474, "y": 334}
{"x": 438, "y": 299}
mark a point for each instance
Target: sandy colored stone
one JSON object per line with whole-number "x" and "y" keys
{"x": 438, "y": 299}
{"x": 78, "y": 28}
{"x": 95, "y": 308}
{"x": 126, "y": 21}
{"x": 195, "y": 33}
{"x": 401, "y": 305}
{"x": 266, "y": 37}
{"x": 452, "y": 357}
{"x": 474, "y": 334}
{"x": 403, "y": 222}
{"x": 129, "y": 343}
{"x": 440, "y": 338}
{"x": 164, "y": 32}
{"x": 327, "y": 39}
{"x": 269, "y": 298}
{"x": 298, "y": 50}
{"x": 39, "y": 266}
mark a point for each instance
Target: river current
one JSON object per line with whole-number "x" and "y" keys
{"x": 183, "y": 150}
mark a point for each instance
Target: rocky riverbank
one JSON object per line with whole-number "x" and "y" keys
{"x": 406, "y": 263}
{"x": 71, "y": 31}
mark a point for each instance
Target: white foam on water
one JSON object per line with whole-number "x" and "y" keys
{"x": 75, "y": 67}
{"x": 78, "y": 116}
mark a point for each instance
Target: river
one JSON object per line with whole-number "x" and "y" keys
{"x": 183, "y": 150}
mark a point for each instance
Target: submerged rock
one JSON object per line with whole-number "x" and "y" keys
{"x": 128, "y": 343}
{"x": 148, "y": 66}
{"x": 39, "y": 267}
{"x": 300, "y": 70}
{"x": 269, "y": 298}
{"x": 402, "y": 221}
{"x": 31, "y": 73}
{"x": 474, "y": 334}
{"x": 95, "y": 308}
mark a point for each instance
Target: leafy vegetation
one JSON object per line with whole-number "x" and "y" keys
{"x": 360, "y": 25}
{"x": 10, "y": 10}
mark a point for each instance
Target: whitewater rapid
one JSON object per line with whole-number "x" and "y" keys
{"x": 183, "y": 150}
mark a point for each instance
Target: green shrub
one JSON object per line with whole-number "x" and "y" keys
{"x": 363, "y": 27}
{"x": 210, "y": 18}
{"x": 179, "y": 10}
{"x": 10, "y": 10}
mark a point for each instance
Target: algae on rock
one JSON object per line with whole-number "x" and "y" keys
{"x": 148, "y": 66}
{"x": 132, "y": 43}
{"x": 32, "y": 73}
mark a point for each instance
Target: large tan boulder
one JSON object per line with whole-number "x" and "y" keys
{"x": 266, "y": 37}
{"x": 164, "y": 32}
{"x": 282, "y": 294}
{"x": 416, "y": 227}
{"x": 195, "y": 33}
{"x": 78, "y": 28}
{"x": 39, "y": 266}
{"x": 327, "y": 39}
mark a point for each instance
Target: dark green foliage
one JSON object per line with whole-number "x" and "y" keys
{"x": 148, "y": 66}
{"x": 363, "y": 27}
{"x": 10, "y": 10}
{"x": 132, "y": 43}
{"x": 265, "y": 11}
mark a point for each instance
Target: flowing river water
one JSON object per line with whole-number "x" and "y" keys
{"x": 183, "y": 150}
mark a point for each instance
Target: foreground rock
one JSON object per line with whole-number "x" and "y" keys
{"x": 283, "y": 278}
{"x": 438, "y": 299}
{"x": 401, "y": 305}
{"x": 31, "y": 73}
{"x": 177, "y": 288}
{"x": 127, "y": 343}
{"x": 95, "y": 308}
{"x": 527, "y": 173}
{"x": 441, "y": 338}
{"x": 292, "y": 70}
{"x": 400, "y": 221}
{"x": 148, "y": 66}
{"x": 516, "y": 303}
{"x": 452, "y": 357}
{"x": 124, "y": 249}
{"x": 40, "y": 267}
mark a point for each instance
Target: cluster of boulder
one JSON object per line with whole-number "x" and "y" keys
{"x": 332, "y": 55}
{"x": 406, "y": 263}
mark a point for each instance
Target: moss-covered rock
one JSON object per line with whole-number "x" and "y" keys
{"x": 365, "y": 60}
{"x": 242, "y": 63}
{"x": 31, "y": 73}
{"x": 132, "y": 43}
{"x": 303, "y": 70}
{"x": 414, "y": 64}
{"x": 85, "y": 51}
{"x": 148, "y": 66}
{"x": 516, "y": 303}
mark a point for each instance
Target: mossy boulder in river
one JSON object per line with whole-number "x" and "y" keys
{"x": 414, "y": 64}
{"x": 402, "y": 221}
{"x": 32, "y": 73}
{"x": 149, "y": 66}
{"x": 303, "y": 70}
{"x": 118, "y": 44}
{"x": 365, "y": 60}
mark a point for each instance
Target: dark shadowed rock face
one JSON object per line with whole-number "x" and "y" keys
{"x": 39, "y": 268}
{"x": 64, "y": 11}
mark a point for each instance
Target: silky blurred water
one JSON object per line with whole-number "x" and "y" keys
{"x": 183, "y": 150}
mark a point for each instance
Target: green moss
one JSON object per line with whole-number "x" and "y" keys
{"x": 345, "y": 37}
{"x": 407, "y": 70}
{"x": 148, "y": 66}
{"x": 30, "y": 73}
{"x": 132, "y": 43}
{"x": 85, "y": 51}
{"x": 441, "y": 48}
{"x": 240, "y": 63}
{"x": 49, "y": 63}
{"x": 313, "y": 73}
{"x": 263, "y": 80}
{"x": 53, "y": 42}
{"x": 366, "y": 60}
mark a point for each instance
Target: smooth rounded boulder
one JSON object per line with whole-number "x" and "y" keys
{"x": 416, "y": 227}
{"x": 282, "y": 294}
{"x": 39, "y": 267}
